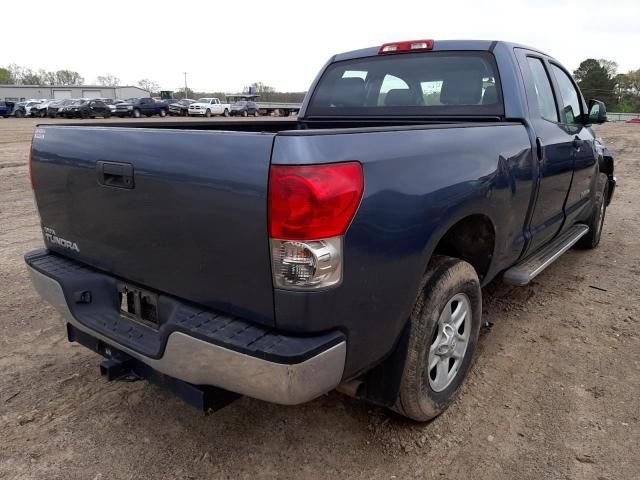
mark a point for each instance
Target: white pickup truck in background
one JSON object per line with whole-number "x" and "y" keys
{"x": 208, "y": 107}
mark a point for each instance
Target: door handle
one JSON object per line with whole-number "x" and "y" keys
{"x": 112, "y": 174}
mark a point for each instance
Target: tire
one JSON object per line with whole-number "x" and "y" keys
{"x": 136, "y": 113}
{"x": 207, "y": 113}
{"x": 225, "y": 113}
{"x": 596, "y": 220}
{"x": 107, "y": 115}
{"x": 449, "y": 285}
{"x": 19, "y": 114}
{"x": 244, "y": 113}
{"x": 256, "y": 113}
{"x": 163, "y": 113}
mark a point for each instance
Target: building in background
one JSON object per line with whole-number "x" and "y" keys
{"x": 25, "y": 92}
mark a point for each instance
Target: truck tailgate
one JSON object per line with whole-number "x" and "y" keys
{"x": 179, "y": 211}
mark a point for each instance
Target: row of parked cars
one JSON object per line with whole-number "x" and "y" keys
{"x": 131, "y": 107}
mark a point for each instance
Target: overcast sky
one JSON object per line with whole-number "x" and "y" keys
{"x": 226, "y": 45}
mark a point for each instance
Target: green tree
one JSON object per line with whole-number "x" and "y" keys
{"x": 5, "y": 76}
{"x": 29, "y": 77}
{"x": 596, "y": 80}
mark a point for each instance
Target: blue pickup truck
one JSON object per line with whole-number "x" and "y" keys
{"x": 346, "y": 249}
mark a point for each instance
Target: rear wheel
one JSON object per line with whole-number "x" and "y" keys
{"x": 244, "y": 113}
{"x": 445, "y": 324}
{"x": 256, "y": 113}
{"x": 137, "y": 113}
{"x": 163, "y": 113}
{"x": 596, "y": 220}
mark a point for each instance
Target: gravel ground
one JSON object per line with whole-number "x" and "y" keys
{"x": 553, "y": 393}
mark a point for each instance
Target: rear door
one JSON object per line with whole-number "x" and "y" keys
{"x": 555, "y": 147}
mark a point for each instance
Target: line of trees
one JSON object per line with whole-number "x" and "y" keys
{"x": 599, "y": 79}
{"x": 17, "y": 75}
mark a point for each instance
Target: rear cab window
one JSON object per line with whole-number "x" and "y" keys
{"x": 420, "y": 84}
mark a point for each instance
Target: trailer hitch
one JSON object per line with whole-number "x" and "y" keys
{"x": 121, "y": 366}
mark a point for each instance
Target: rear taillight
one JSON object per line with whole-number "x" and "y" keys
{"x": 406, "y": 47}
{"x": 310, "y": 209}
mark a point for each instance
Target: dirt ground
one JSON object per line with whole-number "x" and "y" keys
{"x": 554, "y": 392}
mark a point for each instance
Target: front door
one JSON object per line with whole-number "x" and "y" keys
{"x": 572, "y": 112}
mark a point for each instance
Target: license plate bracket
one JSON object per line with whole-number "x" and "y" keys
{"x": 139, "y": 305}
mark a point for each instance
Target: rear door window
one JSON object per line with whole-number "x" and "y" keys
{"x": 544, "y": 93}
{"x": 432, "y": 83}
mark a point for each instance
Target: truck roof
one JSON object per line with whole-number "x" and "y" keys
{"x": 438, "y": 45}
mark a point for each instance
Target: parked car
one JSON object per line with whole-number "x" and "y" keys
{"x": 6, "y": 108}
{"x": 40, "y": 109}
{"x": 29, "y": 105}
{"x": 55, "y": 108}
{"x": 245, "y": 108}
{"x": 19, "y": 110}
{"x": 347, "y": 249}
{"x": 208, "y": 107}
{"x": 137, "y": 107}
{"x": 181, "y": 107}
{"x": 87, "y": 108}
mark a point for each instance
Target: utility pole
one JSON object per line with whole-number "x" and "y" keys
{"x": 185, "y": 85}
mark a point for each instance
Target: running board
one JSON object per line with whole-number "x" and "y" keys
{"x": 525, "y": 271}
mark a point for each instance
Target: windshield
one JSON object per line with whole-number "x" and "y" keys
{"x": 239, "y": 104}
{"x": 434, "y": 83}
{"x": 204, "y": 100}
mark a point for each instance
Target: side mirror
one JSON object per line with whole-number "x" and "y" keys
{"x": 597, "y": 112}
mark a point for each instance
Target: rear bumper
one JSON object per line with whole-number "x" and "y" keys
{"x": 201, "y": 362}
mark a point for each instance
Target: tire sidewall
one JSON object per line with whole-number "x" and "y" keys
{"x": 447, "y": 278}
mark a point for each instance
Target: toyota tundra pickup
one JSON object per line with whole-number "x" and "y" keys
{"x": 346, "y": 249}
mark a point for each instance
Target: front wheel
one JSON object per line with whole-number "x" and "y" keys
{"x": 163, "y": 113}
{"x": 207, "y": 113}
{"x": 592, "y": 238}
{"x": 445, "y": 324}
{"x": 256, "y": 113}
{"x": 137, "y": 113}
{"x": 244, "y": 113}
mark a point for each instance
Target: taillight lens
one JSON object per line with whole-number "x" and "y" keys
{"x": 310, "y": 209}
{"x": 310, "y": 202}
